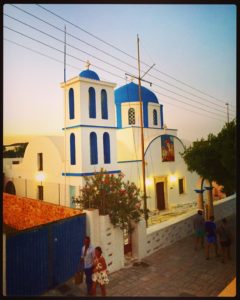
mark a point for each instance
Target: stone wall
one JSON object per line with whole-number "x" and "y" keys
{"x": 163, "y": 234}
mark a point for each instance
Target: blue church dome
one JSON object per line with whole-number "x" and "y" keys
{"x": 89, "y": 74}
{"x": 129, "y": 93}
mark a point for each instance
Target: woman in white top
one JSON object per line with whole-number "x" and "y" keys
{"x": 87, "y": 258}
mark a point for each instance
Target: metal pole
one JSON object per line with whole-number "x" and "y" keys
{"x": 25, "y": 187}
{"x": 227, "y": 112}
{"x": 142, "y": 138}
{"x": 65, "y": 191}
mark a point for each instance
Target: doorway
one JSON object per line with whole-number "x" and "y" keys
{"x": 160, "y": 195}
{"x": 10, "y": 188}
{"x": 127, "y": 241}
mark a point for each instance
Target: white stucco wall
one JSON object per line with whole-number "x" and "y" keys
{"x": 168, "y": 232}
{"x": 129, "y": 141}
{"x": 110, "y": 239}
{"x": 155, "y": 169}
{"x": 24, "y": 174}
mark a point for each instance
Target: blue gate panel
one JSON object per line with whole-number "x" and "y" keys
{"x": 67, "y": 237}
{"x": 27, "y": 262}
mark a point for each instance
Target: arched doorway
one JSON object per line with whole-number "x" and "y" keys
{"x": 10, "y": 188}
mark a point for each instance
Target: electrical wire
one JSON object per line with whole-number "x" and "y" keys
{"x": 109, "y": 73}
{"x": 103, "y": 62}
{"x": 118, "y": 49}
{"x": 121, "y": 61}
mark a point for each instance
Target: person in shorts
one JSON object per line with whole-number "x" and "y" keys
{"x": 199, "y": 228}
{"x": 211, "y": 236}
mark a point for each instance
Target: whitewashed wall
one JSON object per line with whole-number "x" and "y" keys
{"x": 168, "y": 232}
{"x": 110, "y": 239}
{"x": 156, "y": 170}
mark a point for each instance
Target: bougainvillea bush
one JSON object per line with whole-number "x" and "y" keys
{"x": 111, "y": 195}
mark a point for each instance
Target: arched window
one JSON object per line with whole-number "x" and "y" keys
{"x": 104, "y": 105}
{"x": 155, "y": 119}
{"x": 106, "y": 148}
{"x": 93, "y": 148}
{"x": 71, "y": 103}
{"x": 92, "y": 103}
{"x": 131, "y": 116}
{"x": 72, "y": 149}
{"x": 10, "y": 188}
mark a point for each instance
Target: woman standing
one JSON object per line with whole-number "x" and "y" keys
{"x": 225, "y": 238}
{"x": 99, "y": 275}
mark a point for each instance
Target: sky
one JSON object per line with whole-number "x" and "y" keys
{"x": 193, "y": 48}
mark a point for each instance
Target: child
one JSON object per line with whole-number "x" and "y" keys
{"x": 99, "y": 272}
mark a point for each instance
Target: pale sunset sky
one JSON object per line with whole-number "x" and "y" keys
{"x": 193, "y": 48}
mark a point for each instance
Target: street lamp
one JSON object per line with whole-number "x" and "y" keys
{"x": 40, "y": 177}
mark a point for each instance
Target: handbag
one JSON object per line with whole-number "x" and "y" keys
{"x": 78, "y": 277}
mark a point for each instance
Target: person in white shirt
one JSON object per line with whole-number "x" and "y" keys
{"x": 87, "y": 258}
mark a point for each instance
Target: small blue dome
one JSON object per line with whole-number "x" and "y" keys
{"x": 129, "y": 93}
{"x": 89, "y": 74}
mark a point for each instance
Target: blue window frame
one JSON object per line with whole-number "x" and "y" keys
{"x": 104, "y": 104}
{"x": 93, "y": 148}
{"x": 92, "y": 102}
{"x": 71, "y": 103}
{"x": 72, "y": 149}
{"x": 106, "y": 148}
{"x": 155, "y": 118}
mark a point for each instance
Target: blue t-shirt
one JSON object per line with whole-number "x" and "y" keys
{"x": 210, "y": 228}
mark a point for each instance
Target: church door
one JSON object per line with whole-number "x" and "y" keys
{"x": 160, "y": 195}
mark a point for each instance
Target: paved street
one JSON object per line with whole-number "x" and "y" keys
{"x": 177, "y": 270}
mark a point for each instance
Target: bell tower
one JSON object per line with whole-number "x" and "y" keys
{"x": 89, "y": 128}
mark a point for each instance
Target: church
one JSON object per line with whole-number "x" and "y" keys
{"x": 102, "y": 129}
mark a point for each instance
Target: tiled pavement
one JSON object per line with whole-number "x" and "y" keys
{"x": 177, "y": 270}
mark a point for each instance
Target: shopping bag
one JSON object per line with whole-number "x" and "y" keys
{"x": 78, "y": 277}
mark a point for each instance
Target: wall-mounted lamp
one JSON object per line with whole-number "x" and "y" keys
{"x": 40, "y": 177}
{"x": 149, "y": 181}
{"x": 172, "y": 180}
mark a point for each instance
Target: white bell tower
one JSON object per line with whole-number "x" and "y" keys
{"x": 89, "y": 129}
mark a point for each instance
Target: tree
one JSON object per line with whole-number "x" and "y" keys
{"x": 214, "y": 158}
{"x": 112, "y": 196}
{"x": 226, "y": 147}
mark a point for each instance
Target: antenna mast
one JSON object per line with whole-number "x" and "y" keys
{"x": 141, "y": 125}
{"x": 65, "y": 148}
{"x": 142, "y": 138}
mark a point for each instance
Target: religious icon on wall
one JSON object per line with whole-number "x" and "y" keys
{"x": 167, "y": 148}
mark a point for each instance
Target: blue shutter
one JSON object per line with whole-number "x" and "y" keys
{"x": 72, "y": 149}
{"x": 161, "y": 115}
{"x": 92, "y": 103}
{"x": 93, "y": 148}
{"x": 106, "y": 148}
{"x": 155, "y": 120}
{"x": 104, "y": 105}
{"x": 71, "y": 103}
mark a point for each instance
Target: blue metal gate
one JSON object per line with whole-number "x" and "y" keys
{"x": 67, "y": 244}
{"x": 41, "y": 258}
